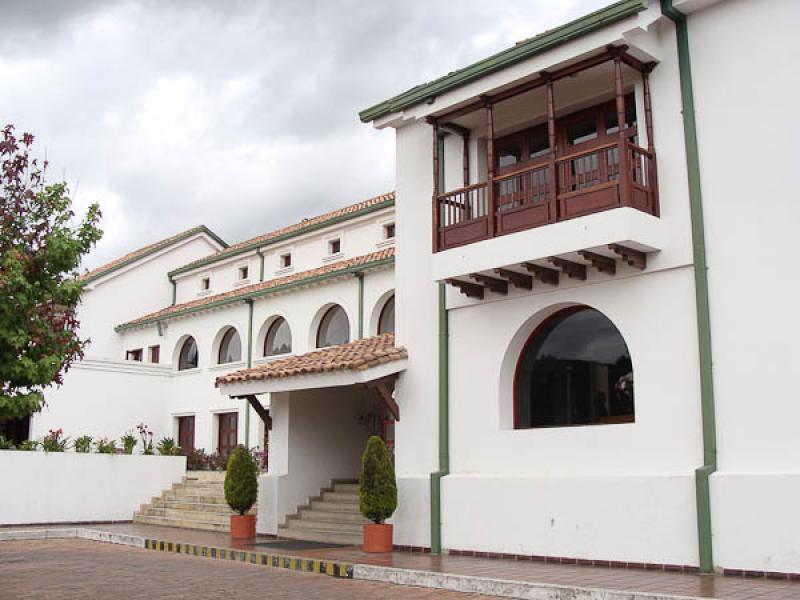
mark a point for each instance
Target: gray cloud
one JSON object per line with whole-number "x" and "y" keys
{"x": 239, "y": 114}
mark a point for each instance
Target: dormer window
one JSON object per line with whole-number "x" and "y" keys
{"x": 286, "y": 260}
{"x": 334, "y": 246}
{"x": 205, "y": 284}
{"x": 244, "y": 272}
{"x": 388, "y": 231}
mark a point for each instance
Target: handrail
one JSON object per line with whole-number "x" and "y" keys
{"x": 522, "y": 171}
{"x": 640, "y": 150}
{"x": 592, "y": 150}
{"x": 464, "y": 189}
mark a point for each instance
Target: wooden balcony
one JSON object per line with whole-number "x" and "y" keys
{"x": 586, "y": 182}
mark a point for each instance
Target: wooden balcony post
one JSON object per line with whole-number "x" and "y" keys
{"x": 551, "y": 138}
{"x": 625, "y": 174}
{"x": 652, "y": 177}
{"x": 435, "y": 202}
{"x": 466, "y": 158}
{"x": 490, "y": 167}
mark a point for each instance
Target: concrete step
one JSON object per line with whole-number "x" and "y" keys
{"x": 320, "y": 535}
{"x": 336, "y": 527}
{"x": 212, "y": 507}
{"x": 340, "y": 497}
{"x": 187, "y": 515}
{"x": 191, "y": 497}
{"x": 341, "y": 507}
{"x": 332, "y": 516}
{"x": 347, "y": 488}
{"x": 205, "y": 475}
{"x": 170, "y": 522}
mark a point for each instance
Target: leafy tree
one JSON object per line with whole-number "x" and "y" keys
{"x": 377, "y": 488}
{"x": 40, "y": 249}
{"x": 241, "y": 480}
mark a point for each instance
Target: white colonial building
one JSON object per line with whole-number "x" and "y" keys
{"x": 595, "y": 321}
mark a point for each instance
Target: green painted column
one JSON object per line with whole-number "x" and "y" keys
{"x": 249, "y": 302}
{"x": 444, "y": 424}
{"x": 360, "y": 277}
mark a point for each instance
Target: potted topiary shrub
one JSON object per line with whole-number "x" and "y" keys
{"x": 377, "y": 495}
{"x": 241, "y": 492}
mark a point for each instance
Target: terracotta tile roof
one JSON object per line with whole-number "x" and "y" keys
{"x": 354, "y": 356}
{"x": 296, "y": 229}
{"x": 258, "y": 289}
{"x": 147, "y": 250}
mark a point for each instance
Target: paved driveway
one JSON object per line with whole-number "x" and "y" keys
{"x": 80, "y": 569}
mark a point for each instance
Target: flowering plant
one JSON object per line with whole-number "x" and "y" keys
{"x": 55, "y": 441}
{"x": 129, "y": 442}
{"x": 83, "y": 444}
{"x": 106, "y": 446}
{"x": 147, "y": 438}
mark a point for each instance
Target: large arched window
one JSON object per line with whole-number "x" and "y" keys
{"x": 187, "y": 358}
{"x": 334, "y": 328}
{"x": 386, "y": 320}
{"x": 230, "y": 347}
{"x": 574, "y": 370}
{"x": 278, "y": 339}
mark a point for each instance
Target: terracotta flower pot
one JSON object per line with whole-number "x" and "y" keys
{"x": 243, "y": 527}
{"x": 377, "y": 537}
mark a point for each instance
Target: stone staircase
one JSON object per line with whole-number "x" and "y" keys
{"x": 332, "y": 517}
{"x": 198, "y": 502}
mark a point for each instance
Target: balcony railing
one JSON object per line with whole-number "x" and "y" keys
{"x": 587, "y": 182}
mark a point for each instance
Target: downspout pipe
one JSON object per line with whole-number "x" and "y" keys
{"x": 702, "y": 474}
{"x": 249, "y": 302}
{"x": 174, "y": 291}
{"x": 261, "y": 266}
{"x": 360, "y": 277}
{"x": 444, "y": 424}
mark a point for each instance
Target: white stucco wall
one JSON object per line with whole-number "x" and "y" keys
{"x": 751, "y": 218}
{"x": 65, "y": 487}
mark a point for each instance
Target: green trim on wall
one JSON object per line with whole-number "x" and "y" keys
{"x": 444, "y": 424}
{"x": 702, "y": 474}
{"x": 158, "y": 247}
{"x": 258, "y": 293}
{"x": 280, "y": 238}
{"x": 525, "y": 50}
{"x": 249, "y": 302}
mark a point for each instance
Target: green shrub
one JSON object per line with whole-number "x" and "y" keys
{"x": 83, "y": 444}
{"x": 106, "y": 446}
{"x": 55, "y": 441}
{"x": 241, "y": 481}
{"x": 28, "y": 445}
{"x": 129, "y": 442}
{"x": 168, "y": 447}
{"x": 377, "y": 488}
{"x": 6, "y": 444}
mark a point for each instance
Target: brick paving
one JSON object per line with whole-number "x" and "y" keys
{"x": 609, "y": 578}
{"x": 80, "y": 569}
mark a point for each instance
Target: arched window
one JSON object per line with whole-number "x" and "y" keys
{"x": 574, "y": 370}
{"x": 187, "y": 359}
{"x": 334, "y": 328}
{"x": 230, "y": 348}
{"x": 386, "y": 320}
{"x": 278, "y": 339}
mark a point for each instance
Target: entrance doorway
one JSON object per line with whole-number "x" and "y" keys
{"x": 16, "y": 430}
{"x": 186, "y": 433}
{"x": 228, "y": 432}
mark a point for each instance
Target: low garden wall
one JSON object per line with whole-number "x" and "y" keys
{"x": 70, "y": 487}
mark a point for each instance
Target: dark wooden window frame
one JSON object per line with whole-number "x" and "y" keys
{"x": 184, "y": 431}
{"x": 224, "y": 428}
{"x": 137, "y": 355}
{"x": 155, "y": 353}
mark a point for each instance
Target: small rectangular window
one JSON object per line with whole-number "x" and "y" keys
{"x": 388, "y": 231}
{"x": 134, "y": 355}
{"x": 244, "y": 272}
{"x": 286, "y": 260}
{"x": 155, "y": 354}
{"x": 334, "y": 246}
{"x": 205, "y": 284}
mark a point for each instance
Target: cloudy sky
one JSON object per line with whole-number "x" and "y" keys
{"x": 239, "y": 114}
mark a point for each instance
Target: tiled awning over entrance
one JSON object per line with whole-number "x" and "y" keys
{"x": 358, "y": 362}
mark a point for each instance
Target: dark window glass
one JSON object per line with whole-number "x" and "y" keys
{"x": 538, "y": 142}
{"x": 334, "y": 328}
{"x": 509, "y": 154}
{"x": 286, "y": 260}
{"x": 186, "y": 434}
{"x": 230, "y": 348}
{"x": 575, "y": 370}
{"x": 334, "y": 246}
{"x": 582, "y": 131}
{"x": 155, "y": 354}
{"x": 279, "y": 338}
{"x": 244, "y": 272}
{"x": 386, "y": 321}
{"x": 134, "y": 355}
{"x": 611, "y": 115}
{"x": 388, "y": 231}
{"x": 188, "y": 355}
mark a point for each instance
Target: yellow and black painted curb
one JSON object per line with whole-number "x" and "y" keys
{"x": 293, "y": 563}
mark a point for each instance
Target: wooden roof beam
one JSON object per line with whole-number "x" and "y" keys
{"x": 634, "y": 258}
{"x": 469, "y": 289}
{"x": 542, "y": 274}
{"x": 493, "y": 284}
{"x": 518, "y": 280}
{"x": 602, "y": 263}
{"x": 572, "y": 269}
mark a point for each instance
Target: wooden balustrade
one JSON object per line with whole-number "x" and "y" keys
{"x": 586, "y": 182}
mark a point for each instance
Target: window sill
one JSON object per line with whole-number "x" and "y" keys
{"x": 333, "y": 257}
{"x": 231, "y": 365}
{"x": 284, "y": 271}
{"x": 241, "y": 282}
{"x": 266, "y": 359}
{"x": 204, "y": 293}
{"x": 385, "y": 243}
{"x": 187, "y": 372}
